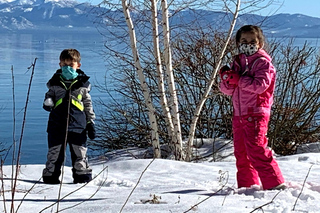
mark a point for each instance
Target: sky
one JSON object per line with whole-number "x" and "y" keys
{"x": 306, "y": 7}
{"x": 123, "y": 184}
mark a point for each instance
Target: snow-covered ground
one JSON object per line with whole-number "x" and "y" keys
{"x": 125, "y": 184}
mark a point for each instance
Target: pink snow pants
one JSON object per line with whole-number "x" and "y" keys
{"x": 254, "y": 160}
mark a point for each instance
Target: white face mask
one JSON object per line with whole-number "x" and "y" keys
{"x": 248, "y": 49}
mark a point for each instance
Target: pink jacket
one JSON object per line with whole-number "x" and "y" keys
{"x": 254, "y": 93}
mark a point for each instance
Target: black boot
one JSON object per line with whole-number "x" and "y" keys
{"x": 50, "y": 180}
{"x": 84, "y": 178}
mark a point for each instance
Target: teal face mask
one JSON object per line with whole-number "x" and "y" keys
{"x": 68, "y": 73}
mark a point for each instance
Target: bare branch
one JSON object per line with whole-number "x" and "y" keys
{"x": 136, "y": 185}
{"x": 212, "y": 78}
{"x": 304, "y": 182}
{"x": 21, "y": 134}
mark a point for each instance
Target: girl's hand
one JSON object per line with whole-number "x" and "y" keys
{"x": 231, "y": 77}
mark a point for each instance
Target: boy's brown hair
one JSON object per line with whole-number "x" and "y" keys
{"x": 70, "y": 54}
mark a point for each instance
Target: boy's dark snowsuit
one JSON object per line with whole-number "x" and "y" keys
{"x": 70, "y": 98}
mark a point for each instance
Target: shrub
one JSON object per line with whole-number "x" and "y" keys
{"x": 295, "y": 112}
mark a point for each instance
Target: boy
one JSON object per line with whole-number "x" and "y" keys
{"x": 71, "y": 116}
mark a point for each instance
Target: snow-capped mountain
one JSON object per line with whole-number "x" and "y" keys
{"x": 64, "y": 3}
{"x": 18, "y": 15}
{"x": 279, "y": 25}
{"x": 43, "y": 14}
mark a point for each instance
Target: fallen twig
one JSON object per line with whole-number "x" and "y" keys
{"x": 136, "y": 185}
{"x": 260, "y": 207}
{"x": 302, "y": 187}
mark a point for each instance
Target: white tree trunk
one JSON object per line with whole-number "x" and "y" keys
{"x": 144, "y": 86}
{"x": 157, "y": 55}
{"x": 206, "y": 94}
{"x": 177, "y": 138}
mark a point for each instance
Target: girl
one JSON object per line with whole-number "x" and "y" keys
{"x": 250, "y": 82}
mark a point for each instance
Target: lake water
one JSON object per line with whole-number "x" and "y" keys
{"x": 19, "y": 51}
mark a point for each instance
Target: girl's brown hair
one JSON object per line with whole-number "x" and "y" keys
{"x": 250, "y": 29}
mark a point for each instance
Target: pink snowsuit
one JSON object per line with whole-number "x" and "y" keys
{"x": 252, "y": 100}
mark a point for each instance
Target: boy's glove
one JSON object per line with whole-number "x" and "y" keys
{"x": 48, "y": 104}
{"x": 229, "y": 76}
{"x": 91, "y": 130}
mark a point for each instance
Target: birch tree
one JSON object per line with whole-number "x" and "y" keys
{"x": 144, "y": 86}
{"x": 156, "y": 49}
{"x": 173, "y": 125}
{"x": 163, "y": 77}
{"x": 172, "y": 119}
{"x": 177, "y": 139}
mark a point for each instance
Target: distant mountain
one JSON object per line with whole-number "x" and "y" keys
{"x": 296, "y": 25}
{"x": 56, "y": 15}
{"x": 287, "y": 25}
{"x": 44, "y": 15}
{"x": 280, "y": 25}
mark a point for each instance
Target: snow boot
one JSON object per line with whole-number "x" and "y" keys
{"x": 84, "y": 178}
{"x": 50, "y": 180}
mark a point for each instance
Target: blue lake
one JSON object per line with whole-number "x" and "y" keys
{"x": 18, "y": 51}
